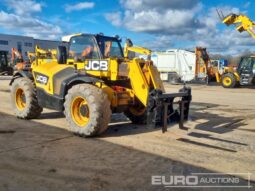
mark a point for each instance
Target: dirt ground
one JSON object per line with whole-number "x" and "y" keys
{"x": 41, "y": 155}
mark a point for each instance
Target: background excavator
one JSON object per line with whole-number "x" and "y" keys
{"x": 19, "y": 63}
{"x": 245, "y": 72}
{"x": 5, "y": 68}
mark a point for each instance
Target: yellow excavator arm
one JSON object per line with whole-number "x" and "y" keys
{"x": 242, "y": 22}
{"x": 137, "y": 49}
{"x": 42, "y": 53}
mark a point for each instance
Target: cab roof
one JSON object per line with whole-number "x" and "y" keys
{"x": 68, "y": 37}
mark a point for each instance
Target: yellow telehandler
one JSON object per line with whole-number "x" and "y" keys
{"x": 90, "y": 80}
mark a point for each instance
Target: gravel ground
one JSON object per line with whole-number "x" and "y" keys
{"x": 42, "y": 155}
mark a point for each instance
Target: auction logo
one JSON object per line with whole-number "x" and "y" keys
{"x": 210, "y": 180}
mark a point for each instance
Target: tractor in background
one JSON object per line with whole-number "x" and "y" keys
{"x": 245, "y": 72}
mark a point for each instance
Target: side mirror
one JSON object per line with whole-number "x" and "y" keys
{"x": 61, "y": 54}
{"x": 129, "y": 43}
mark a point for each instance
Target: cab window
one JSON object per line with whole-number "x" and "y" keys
{"x": 110, "y": 47}
{"x": 83, "y": 47}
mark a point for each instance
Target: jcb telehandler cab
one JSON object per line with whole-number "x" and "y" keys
{"x": 90, "y": 81}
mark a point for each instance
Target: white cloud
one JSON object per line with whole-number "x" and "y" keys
{"x": 79, "y": 6}
{"x": 115, "y": 18}
{"x": 21, "y": 18}
{"x": 247, "y": 5}
{"x": 162, "y": 42}
{"x": 168, "y": 21}
{"x": 154, "y": 17}
{"x": 138, "y": 5}
{"x": 29, "y": 26}
{"x": 24, "y": 7}
{"x": 173, "y": 22}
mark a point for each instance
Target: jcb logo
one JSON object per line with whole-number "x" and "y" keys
{"x": 98, "y": 65}
{"x": 42, "y": 79}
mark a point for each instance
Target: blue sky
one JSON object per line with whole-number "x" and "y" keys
{"x": 158, "y": 25}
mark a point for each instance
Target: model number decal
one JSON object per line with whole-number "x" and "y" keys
{"x": 98, "y": 65}
{"x": 41, "y": 79}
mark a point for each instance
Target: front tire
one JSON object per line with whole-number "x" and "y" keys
{"x": 24, "y": 99}
{"x": 229, "y": 80}
{"x": 87, "y": 110}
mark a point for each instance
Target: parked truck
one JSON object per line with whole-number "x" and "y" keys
{"x": 177, "y": 65}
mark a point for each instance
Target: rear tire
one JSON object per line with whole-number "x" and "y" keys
{"x": 229, "y": 80}
{"x": 137, "y": 115}
{"x": 87, "y": 110}
{"x": 24, "y": 99}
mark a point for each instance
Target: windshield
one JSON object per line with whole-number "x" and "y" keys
{"x": 83, "y": 47}
{"x": 246, "y": 63}
{"x": 110, "y": 47}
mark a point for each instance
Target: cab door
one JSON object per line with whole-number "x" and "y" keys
{"x": 246, "y": 70}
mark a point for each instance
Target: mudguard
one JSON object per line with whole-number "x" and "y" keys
{"x": 61, "y": 86}
{"x": 18, "y": 74}
{"x": 74, "y": 80}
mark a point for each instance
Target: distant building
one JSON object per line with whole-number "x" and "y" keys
{"x": 26, "y": 44}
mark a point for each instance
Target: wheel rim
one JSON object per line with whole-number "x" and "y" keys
{"x": 80, "y": 111}
{"x": 20, "y": 99}
{"x": 227, "y": 81}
